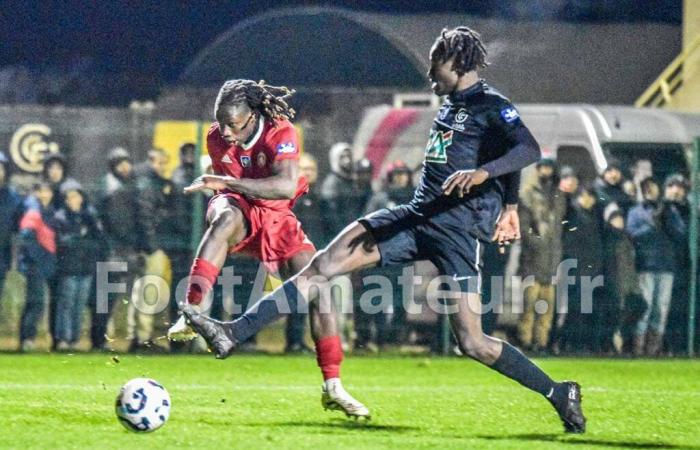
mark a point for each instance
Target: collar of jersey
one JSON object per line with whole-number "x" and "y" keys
{"x": 251, "y": 142}
{"x": 476, "y": 87}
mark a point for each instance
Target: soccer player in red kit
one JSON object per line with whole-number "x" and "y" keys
{"x": 255, "y": 151}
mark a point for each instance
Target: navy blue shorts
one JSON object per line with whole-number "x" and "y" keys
{"x": 445, "y": 239}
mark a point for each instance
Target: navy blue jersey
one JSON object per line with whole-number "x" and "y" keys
{"x": 474, "y": 127}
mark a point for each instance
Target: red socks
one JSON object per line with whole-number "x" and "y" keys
{"x": 206, "y": 274}
{"x": 329, "y": 354}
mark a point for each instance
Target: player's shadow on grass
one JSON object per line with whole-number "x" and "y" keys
{"x": 582, "y": 441}
{"x": 359, "y": 425}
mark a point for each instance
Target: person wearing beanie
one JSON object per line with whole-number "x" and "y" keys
{"x": 655, "y": 264}
{"x": 118, "y": 212}
{"x": 676, "y": 218}
{"x": 79, "y": 238}
{"x": 36, "y": 258}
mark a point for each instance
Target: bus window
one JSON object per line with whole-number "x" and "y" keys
{"x": 578, "y": 158}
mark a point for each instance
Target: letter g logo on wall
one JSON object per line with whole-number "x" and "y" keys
{"x": 29, "y": 146}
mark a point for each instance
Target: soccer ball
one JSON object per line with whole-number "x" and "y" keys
{"x": 143, "y": 405}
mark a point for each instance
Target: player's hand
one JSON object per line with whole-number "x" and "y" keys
{"x": 211, "y": 182}
{"x": 507, "y": 227}
{"x": 463, "y": 180}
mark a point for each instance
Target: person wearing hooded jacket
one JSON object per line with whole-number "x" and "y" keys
{"x": 542, "y": 213}
{"x": 36, "y": 258}
{"x": 10, "y": 213}
{"x": 337, "y": 187}
{"x": 79, "y": 238}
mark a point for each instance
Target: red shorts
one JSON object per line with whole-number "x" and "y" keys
{"x": 274, "y": 236}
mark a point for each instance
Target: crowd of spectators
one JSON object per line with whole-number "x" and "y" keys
{"x": 633, "y": 232}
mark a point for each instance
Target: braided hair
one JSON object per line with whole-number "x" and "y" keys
{"x": 464, "y": 45}
{"x": 270, "y": 101}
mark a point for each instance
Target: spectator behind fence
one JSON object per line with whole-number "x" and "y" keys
{"x": 80, "y": 238}
{"x": 312, "y": 217}
{"x": 582, "y": 244}
{"x": 10, "y": 213}
{"x": 118, "y": 211}
{"x": 655, "y": 266}
{"x": 157, "y": 216}
{"x": 542, "y": 212}
{"x": 37, "y": 258}
{"x": 180, "y": 252}
{"x": 608, "y": 188}
{"x": 677, "y": 217}
{"x": 621, "y": 282}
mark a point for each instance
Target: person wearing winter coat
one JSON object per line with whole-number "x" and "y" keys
{"x": 36, "y": 258}
{"x": 79, "y": 239}
{"x": 655, "y": 264}
{"x": 542, "y": 211}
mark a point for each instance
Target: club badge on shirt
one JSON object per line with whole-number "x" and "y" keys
{"x": 245, "y": 161}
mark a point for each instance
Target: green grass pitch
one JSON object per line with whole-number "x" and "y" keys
{"x": 67, "y": 401}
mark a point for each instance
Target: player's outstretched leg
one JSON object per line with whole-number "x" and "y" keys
{"x": 226, "y": 228}
{"x": 351, "y": 250}
{"x": 506, "y": 359}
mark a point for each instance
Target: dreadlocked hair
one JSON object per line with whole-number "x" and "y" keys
{"x": 464, "y": 45}
{"x": 270, "y": 101}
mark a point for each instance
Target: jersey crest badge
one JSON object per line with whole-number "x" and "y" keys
{"x": 286, "y": 147}
{"x": 261, "y": 159}
{"x": 509, "y": 114}
{"x": 436, "y": 150}
{"x": 245, "y": 161}
{"x": 461, "y": 116}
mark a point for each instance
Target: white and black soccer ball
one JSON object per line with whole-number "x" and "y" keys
{"x": 143, "y": 405}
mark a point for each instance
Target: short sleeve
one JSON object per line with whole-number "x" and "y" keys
{"x": 283, "y": 142}
{"x": 214, "y": 148}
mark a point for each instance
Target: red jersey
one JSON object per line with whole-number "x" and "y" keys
{"x": 273, "y": 141}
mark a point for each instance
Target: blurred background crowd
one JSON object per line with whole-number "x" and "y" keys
{"x": 628, "y": 227}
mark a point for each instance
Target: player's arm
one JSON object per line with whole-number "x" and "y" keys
{"x": 523, "y": 151}
{"x": 280, "y": 186}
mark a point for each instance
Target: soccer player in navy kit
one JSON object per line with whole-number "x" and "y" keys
{"x": 476, "y": 149}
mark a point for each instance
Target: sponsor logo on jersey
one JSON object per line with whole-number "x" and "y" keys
{"x": 286, "y": 147}
{"x": 510, "y": 114}
{"x": 245, "y": 161}
{"x": 226, "y": 159}
{"x": 261, "y": 159}
{"x": 461, "y": 116}
{"x": 436, "y": 150}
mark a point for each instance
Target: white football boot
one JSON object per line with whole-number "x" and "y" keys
{"x": 181, "y": 330}
{"x": 336, "y": 398}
